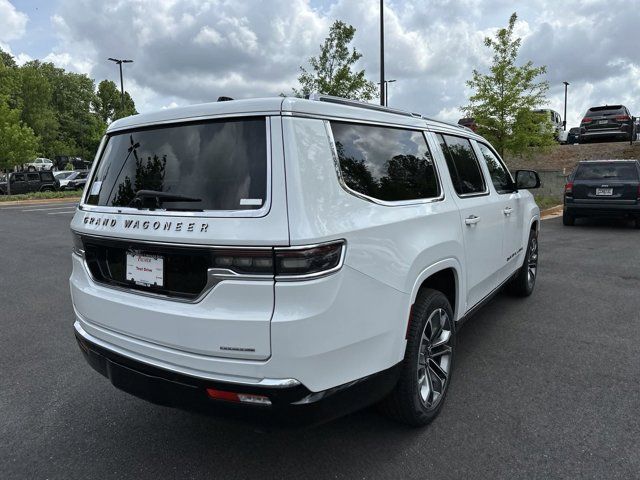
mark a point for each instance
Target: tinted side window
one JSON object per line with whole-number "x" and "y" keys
{"x": 462, "y": 164}
{"x": 389, "y": 164}
{"x": 46, "y": 176}
{"x": 33, "y": 177}
{"x": 19, "y": 177}
{"x": 499, "y": 174}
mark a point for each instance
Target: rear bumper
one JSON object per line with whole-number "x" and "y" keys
{"x": 290, "y": 405}
{"x": 601, "y": 209}
{"x": 614, "y": 132}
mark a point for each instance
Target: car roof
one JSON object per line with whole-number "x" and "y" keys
{"x": 610, "y": 160}
{"x": 318, "y": 106}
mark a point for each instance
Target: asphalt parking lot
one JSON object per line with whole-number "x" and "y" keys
{"x": 546, "y": 387}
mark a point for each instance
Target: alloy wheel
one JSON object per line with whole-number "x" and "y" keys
{"x": 532, "y": 265}
{"x": 434, "y": 358}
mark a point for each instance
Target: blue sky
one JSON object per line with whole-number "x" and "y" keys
{"x": 192, "y": 51}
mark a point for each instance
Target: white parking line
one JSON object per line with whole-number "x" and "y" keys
{"x": 58, "y": 204}
{"x": 58, "y": 213}
{"x": 48, "y": 208}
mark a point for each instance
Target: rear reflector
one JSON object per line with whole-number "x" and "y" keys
{"x": 238, "y": 397}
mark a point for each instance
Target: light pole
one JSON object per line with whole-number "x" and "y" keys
{"x": 564, "y": 120}
{"x": 120, "y": 62}
{"x": 382, "y": 85}
{"x": 386, "y": 91}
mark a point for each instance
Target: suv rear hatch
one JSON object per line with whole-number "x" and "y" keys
{"x": 608, "y": 181}
{"x": 180, "y": 221}
{"x": 608, "y": 118}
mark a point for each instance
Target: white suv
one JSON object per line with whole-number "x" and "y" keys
{"x": 39, "y": 164}
{"x": 296, "y": 257}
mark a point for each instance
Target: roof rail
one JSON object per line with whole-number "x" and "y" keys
{"x": 320, "y": 97}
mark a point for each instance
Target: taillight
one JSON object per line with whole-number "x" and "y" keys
{"x": 623, "y": 118}
{"x": 286, "y": 263}
{"x": 568, "y": 188}
{"x": 307, "y": 262}
{"x": 258, "y": 262}
{"x": 586, "y": 120}
{"x": 78, "y": 246}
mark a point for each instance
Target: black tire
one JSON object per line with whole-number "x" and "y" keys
{"x": 568, "y": 219}
{"x": 31, "y": 169}
{"x": 422, "y": 359}
{"x": 524, "y": 281}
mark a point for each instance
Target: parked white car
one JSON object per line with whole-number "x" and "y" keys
{"x": 301, "y": 258}
{"x": 39, "y": 164}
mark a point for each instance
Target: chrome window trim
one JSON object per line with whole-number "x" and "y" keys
{"x": 362, "y": 196}
{"x": 257, "y": 213}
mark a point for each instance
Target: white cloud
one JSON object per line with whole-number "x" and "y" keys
{"x": 12, "y": 22}
{"x": 196, "y": 50}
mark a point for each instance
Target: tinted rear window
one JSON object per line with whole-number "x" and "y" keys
{"x": 608, "y": 110}
{"x": 46, "y": 176}
{"x": 223, "y": 164}
{"x": 390, "y": 164}
{"x": 609, "y": 170}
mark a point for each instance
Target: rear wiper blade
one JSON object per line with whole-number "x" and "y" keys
{"x": 158, "y": 198}
{"x": 165, "y": 196}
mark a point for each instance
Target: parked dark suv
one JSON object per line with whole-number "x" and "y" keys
{"x": 609, "y": 188}
{"x": 609, "y": 121}
{"x": 26, "y": 182}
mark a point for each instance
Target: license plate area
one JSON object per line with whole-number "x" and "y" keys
{"x": 146, "y": 270}
{"x": 603, "y": 122}
{"x": 604, "y": 192}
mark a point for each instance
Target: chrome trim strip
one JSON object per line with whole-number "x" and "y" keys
{"x": 264, "y": 382}
{"x": 169, "y": 244}
{"x": 261, "y": 212}
{"x": 385, "y": 203}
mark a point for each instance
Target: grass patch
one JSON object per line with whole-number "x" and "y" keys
{"x": 547, "y": 201}
{"x": 40, "y": 195}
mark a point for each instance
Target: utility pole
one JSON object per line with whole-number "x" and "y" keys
{"x": 382, "y": 85}
{"x": 386, "y": 91}
{"x": 120, "y": 62}
{"x": 564, "y": 120}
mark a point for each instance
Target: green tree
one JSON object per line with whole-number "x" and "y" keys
{"x": 18, "y": 144}
{"x": 331, "y": 72}
{"x": 109, "y": 105}
{"x": 504, "y": 99}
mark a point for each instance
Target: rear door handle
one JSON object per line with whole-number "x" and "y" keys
{"x": 507, "y": 211}
{"x": 471, "y": 219}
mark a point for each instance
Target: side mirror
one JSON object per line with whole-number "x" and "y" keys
{"x": 527, "y": 179}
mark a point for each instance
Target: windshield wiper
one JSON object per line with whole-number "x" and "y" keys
{"x": 158, "y": 198}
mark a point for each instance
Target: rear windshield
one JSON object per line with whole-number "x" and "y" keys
{"x": 219, "y": 165}
{"x": 605, "y": 111}
{"x": 609, "y": 170}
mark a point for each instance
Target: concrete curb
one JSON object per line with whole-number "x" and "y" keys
{"x": 38, "y": 201}
{"x": 552, "y": 212}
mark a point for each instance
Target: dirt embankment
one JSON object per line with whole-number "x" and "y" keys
{"x": 565, "y": 157}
